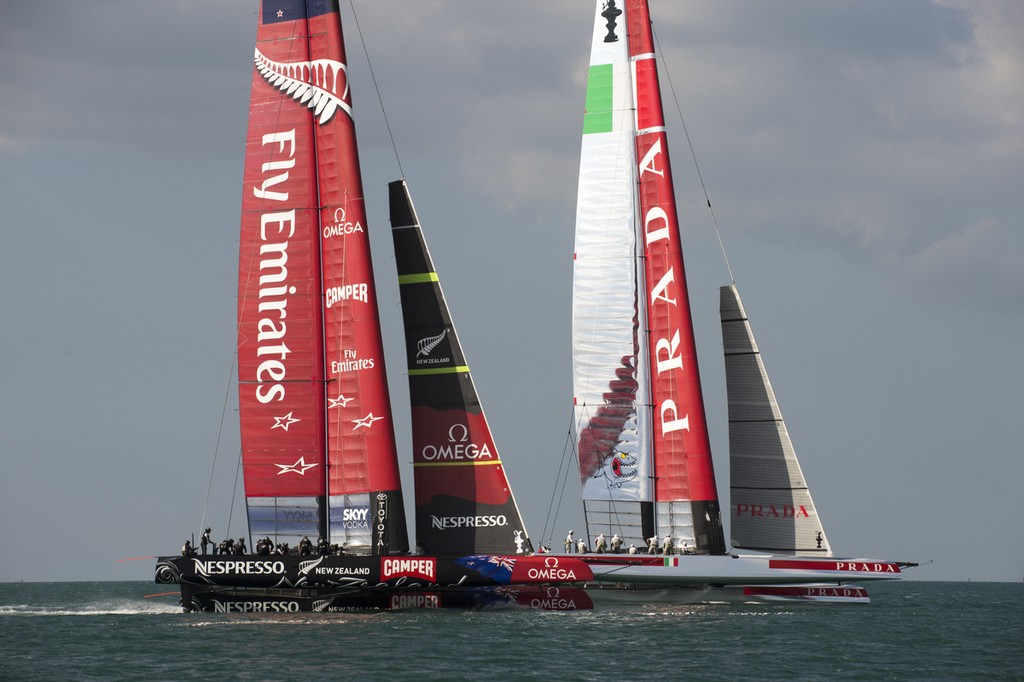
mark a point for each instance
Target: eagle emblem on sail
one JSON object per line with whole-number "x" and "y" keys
{"x": 321, "y": 84}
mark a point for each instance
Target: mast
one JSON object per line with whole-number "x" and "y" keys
{"x": 645, "y": 455}
{"x": 464, "y": 503}
{"x": 317, "y": 435}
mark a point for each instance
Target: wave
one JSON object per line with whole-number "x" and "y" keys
{"x": 115, "y": 607}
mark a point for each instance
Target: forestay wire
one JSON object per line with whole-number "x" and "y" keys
{"x": 679, "y": 112}
{"x": 376, "y": 88}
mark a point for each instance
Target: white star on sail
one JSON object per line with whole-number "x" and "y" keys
{"x": 366, "y": 421}
{"x": 284, "y": 422}
{"x": 340, "y": 401}
{"x": 300, "y": 467}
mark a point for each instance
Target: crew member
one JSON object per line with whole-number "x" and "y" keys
{"x": 205, "y": 541}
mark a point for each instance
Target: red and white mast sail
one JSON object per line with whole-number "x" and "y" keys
{"x": 645, "y": 456}
{"x": 683, "y": 470}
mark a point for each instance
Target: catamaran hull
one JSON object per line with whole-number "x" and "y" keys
{"x": 361, "y": 574}
{"x": 217, "y": 599}
{"x": 739, "y": 570}
{"x": 605, "y": 594}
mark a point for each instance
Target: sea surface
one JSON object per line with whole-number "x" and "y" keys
{"x": 910, "y": 631}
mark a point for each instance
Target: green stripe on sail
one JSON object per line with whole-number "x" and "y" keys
{"x": 459, "y": 369}
{"x": 597, "y": 114}
{"x": 418, "y": 278}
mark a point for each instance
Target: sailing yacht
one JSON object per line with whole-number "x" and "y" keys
{"x": 642, "y": 442}
{"x": 318, "y": 451}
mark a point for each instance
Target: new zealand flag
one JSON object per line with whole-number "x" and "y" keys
{"x": 497, "y": 568}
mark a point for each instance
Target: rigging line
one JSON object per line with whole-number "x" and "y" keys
{"x": 560, "y": 481}
{"x": 234, "y": 495}
{"x": 693, "y": 154}
{"x": 244, "y": 297}
{"x": 571, "y": 457}
{"x": 216, "y": 448}
{"x": 373, "y": 77}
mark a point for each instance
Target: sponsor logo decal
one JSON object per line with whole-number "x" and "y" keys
{"x": 407, "y": 567}
{"x": 255, "y": 606}
{"x": 340, "y": 401}
{"x": 320, "y": 85}
{"x": 610, "y": 12}
{"x": 424, "y": 347}
{"x": 356, "y": 518}
{"x": 276, "y": 228}
{"x": 620, "y": 470}
{"x": 380, "y": 523}
{"x": 553, "y": 601}
{"x": 866, "y": 567}
{"x": 785, "y": 511}
{"x": 365, "y": 422}
{"x": 551, "y": 571}
{"x": 848, "y": 566}
{"x": 307, "y": 516}
{"x": 284, "y": 422}
{"x": 341, "y": 227}
{"x": 208, "y": 567}
{"x": 300, "y": 467}
{"x": 351, "y": 363}
{"x": 457, "y": 449}
{"x": 415, "y": 601}
{"x": 341, "y": 570}
{"x": 665, "y": 355}
{"x": 347, "y": 292}
{"x": 484, "y": 521}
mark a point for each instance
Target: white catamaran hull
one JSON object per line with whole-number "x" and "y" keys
{"x": 735, "y": 569}
{"x": 632, "y": 594}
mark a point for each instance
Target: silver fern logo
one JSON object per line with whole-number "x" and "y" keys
{"x": 321, "y": 85}
{"x": 424, "y": 346}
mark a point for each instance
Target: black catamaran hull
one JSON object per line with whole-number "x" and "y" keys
{"x": 215, "y": 599}
{"x": 288, "y": 583}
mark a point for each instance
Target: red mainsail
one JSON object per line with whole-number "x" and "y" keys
{"x": 318, "y": 444}
{"x": 682, "y": 449}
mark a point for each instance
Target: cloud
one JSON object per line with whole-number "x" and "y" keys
{"x": 979, "y": 265}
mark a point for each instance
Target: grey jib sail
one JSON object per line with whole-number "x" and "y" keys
{"x": 771, "y": 507}
{"x": 464, "y": 504}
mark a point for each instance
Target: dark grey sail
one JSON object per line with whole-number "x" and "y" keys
{"x": 771, "y": 506}
{"x": 464, "y": 504}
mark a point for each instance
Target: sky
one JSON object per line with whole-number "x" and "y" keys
{"x": 865, "y": 161}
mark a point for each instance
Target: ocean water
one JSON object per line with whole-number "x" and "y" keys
{"x": 911, "y": 631}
